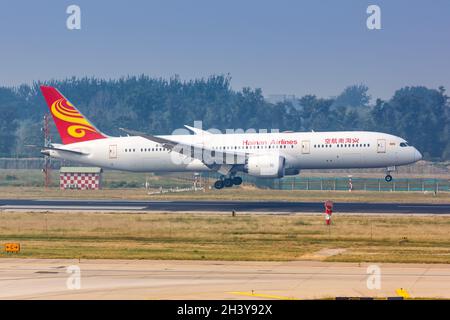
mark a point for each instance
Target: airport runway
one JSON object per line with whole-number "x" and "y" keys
{"x": 223, "y": 206}
{"x": 147, "y": 279}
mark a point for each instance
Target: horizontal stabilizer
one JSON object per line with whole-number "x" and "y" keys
{"x": 46, "y": 149}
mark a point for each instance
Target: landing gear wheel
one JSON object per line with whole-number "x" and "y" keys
{"x": 228, "y": 183}
{"x": 388, "y": 178}
{"x": 218, "y": 184}
{"x": 237, "y": 181}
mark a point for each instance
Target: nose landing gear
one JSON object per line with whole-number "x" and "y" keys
{"x": 388, "y": 177}
{"x": 227, "y": 182}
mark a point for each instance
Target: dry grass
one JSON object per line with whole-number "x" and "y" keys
{"x": 242, "y": 193}
{"x": 418, "y": 239}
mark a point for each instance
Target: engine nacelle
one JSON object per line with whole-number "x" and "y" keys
{"x": 265, "y": 166}
{"x": 291, "y": 172}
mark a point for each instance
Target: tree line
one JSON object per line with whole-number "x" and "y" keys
{"x": 155, "y": 105}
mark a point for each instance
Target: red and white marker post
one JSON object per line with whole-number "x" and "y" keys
{"x": 328, "y": 211}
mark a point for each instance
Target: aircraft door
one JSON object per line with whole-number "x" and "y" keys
{"x": 305, "y": 147}
{"x": 381, "y": 146}
{"x": 113, "y": 151}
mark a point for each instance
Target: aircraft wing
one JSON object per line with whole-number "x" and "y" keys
{"x": 197, "y": 130}
{"x": 166, "y": 143}
{"x": 238, "y": 158}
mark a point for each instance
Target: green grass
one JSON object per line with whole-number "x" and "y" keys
{"x": 237, "y": 193}
{"x": 220, "y": 237}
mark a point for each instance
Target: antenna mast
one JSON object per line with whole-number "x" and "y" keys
{"x": 47, "y": 143}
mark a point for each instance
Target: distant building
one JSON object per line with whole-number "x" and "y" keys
{"x": 80, "y": 178}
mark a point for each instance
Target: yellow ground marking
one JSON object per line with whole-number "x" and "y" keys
{"x": 403, "y": 293}
{"x": 261, "y": 295}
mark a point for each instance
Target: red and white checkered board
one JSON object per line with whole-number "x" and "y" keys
{"x": 81, "y": 181}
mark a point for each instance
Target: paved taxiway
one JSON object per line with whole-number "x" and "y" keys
{"x": 222, "y": 206}
{"x": 121, "y": 279}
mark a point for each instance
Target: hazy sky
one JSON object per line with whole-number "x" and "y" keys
{"x": 291, "y": 47}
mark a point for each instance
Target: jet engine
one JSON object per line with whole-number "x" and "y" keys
{"x": 265, "y": 166}
{"x": 291, "y": 172}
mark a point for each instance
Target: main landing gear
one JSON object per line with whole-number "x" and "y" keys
{"x": 227, "y": 182}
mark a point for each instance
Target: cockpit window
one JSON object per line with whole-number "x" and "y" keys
{"x": 404, "y": 144}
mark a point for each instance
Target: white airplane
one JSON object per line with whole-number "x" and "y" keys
{"x": 267, "y": 155}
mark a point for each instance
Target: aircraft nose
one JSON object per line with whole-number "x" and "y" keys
{"x": 417, "y": 155}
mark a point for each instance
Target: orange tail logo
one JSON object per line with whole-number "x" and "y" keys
{"x": 71, "y": 124}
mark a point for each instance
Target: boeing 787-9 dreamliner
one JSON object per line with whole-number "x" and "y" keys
{"x": 267, "y": 155}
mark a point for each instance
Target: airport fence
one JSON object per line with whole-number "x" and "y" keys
{"x": 300, "y": 182}
{"x": 345, "y": 184}
{"x": 365, "y": 184}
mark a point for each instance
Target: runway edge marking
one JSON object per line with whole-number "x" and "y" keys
{"x": 262, "y": 295}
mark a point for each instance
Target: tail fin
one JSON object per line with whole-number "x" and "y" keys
{"x": 71, "y": 124}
